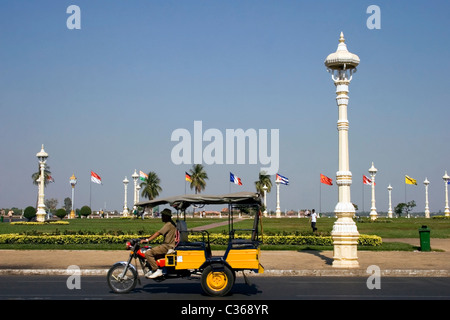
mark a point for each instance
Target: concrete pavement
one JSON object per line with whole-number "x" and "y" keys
{"x": 276, "y": 263}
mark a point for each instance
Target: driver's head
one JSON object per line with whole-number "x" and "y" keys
{"x": 166, "y": 215}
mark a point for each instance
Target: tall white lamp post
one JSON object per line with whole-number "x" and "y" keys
{"x": 265, "y": 202}
{"x": 42, "y": 157}
{"x": 278, "y": 211}
{"x": 73, "y": 182}
{"x": 342, "y": 64}
{"x": 138, "y": 187}
{"x": 135, "y": 177}
{"x": 373, "y": 210}
{"x": 125, "y": 206}
{"x": 427, "y": 209}
{"x": 446, "y": 180}
{"x": 390, "y": 201}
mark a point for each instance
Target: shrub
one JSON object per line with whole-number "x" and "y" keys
{"x": 61, "y": 213}
{"x": 85, "y": 211}
{"x": 29, "y": 213}
{"x": 217, "y": 239}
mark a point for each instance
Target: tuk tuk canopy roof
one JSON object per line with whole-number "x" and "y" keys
{"x": 184, "y": 201}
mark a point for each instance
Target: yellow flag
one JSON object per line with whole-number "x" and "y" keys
{"x": 409, "y": 180}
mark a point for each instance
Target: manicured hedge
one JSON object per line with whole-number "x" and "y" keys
{"x": 217, "y": 239}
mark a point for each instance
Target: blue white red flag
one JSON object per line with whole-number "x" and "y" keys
{"x": 281, "y": 179}
{"x": 235, "y": 179}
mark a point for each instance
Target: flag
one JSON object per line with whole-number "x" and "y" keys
{"x": 326, "y": 180}
{"x": 187, "y": 176}
{"x": 50, "y": 179}
{"x": 281, "y": 179}
{"x": 409, "y": 180}
{"x": 95, "y": 178}
{"x": 367, "y": 180}
{"x": 235, "y": 179}
{"x": 142, "y": 176}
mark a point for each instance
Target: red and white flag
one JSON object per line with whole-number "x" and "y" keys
{"x": 367, "y": 181}
{"x": 95, "y": 178}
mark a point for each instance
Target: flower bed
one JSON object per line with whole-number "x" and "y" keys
{"x": 216, "y": 239}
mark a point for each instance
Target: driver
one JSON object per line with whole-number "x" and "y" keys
{"x": 169, "y": 232}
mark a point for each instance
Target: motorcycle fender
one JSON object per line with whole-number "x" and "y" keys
{"x": 217, "y": 266}
{"x": 124, "y": 263}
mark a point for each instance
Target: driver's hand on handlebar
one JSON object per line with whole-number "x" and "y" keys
{"x": 144, "y": 240}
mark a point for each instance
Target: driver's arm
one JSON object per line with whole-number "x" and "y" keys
{"x": 154, "y": 236}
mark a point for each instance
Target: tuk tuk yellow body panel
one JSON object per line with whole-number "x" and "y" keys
{"x": 243, "y": 258}
{"x": 189, "y": 259}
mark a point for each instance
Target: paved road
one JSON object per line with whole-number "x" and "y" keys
{"x": 264, "y": 288}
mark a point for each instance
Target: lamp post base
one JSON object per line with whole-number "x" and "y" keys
{"x": 40, "y": 216}
{"x": 373, "y": 215}
{"x": 345, "y": 251}
{"x": 345, "y": 237}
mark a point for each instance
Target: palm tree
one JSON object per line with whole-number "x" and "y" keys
{"x": 198, "y": 178}
{"x": 264, "y": 180}
{"x": 150, "y": 187}
{"x": 35, "y": 176}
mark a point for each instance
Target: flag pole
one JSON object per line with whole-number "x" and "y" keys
{"x": 363, "y": 194}
{"x": 90, "y": 193}
{"x": 405, "y": 192}
{"x": 320, "y": 196}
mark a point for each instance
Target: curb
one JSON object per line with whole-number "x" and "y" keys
{"x": 267, "y": 273}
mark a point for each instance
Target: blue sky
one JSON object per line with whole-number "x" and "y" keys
{"x": 107, "y": 97}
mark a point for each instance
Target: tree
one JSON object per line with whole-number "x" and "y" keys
{"x": 51, "y": 204}
{"x": 29, "y": 213}
{"x": 404, "y": 207}
{"x": 35, "y": 177}
{"x": 61, "y": 213}
{"x": 151, "y": 186}
{"x": 264, "y": 180}
{"x": 67, "y": 204}
{"x": 198, "y": 178}
{"x": 85, "y": 211}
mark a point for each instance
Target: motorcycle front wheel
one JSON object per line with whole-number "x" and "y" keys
{"x": 120, "y": 282}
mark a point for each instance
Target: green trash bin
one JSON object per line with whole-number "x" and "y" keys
{"x": 424, "y": 234}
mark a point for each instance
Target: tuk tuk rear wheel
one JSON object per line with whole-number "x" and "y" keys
{"x": 217, "y": 283}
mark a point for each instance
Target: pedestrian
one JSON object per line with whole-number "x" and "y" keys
{"x": 313, "y": 220}
{"x": 10, "y": 214}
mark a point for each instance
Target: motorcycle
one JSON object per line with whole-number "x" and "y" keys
{"x": 217, "y": 273}
{"x": 123, "y": 276}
